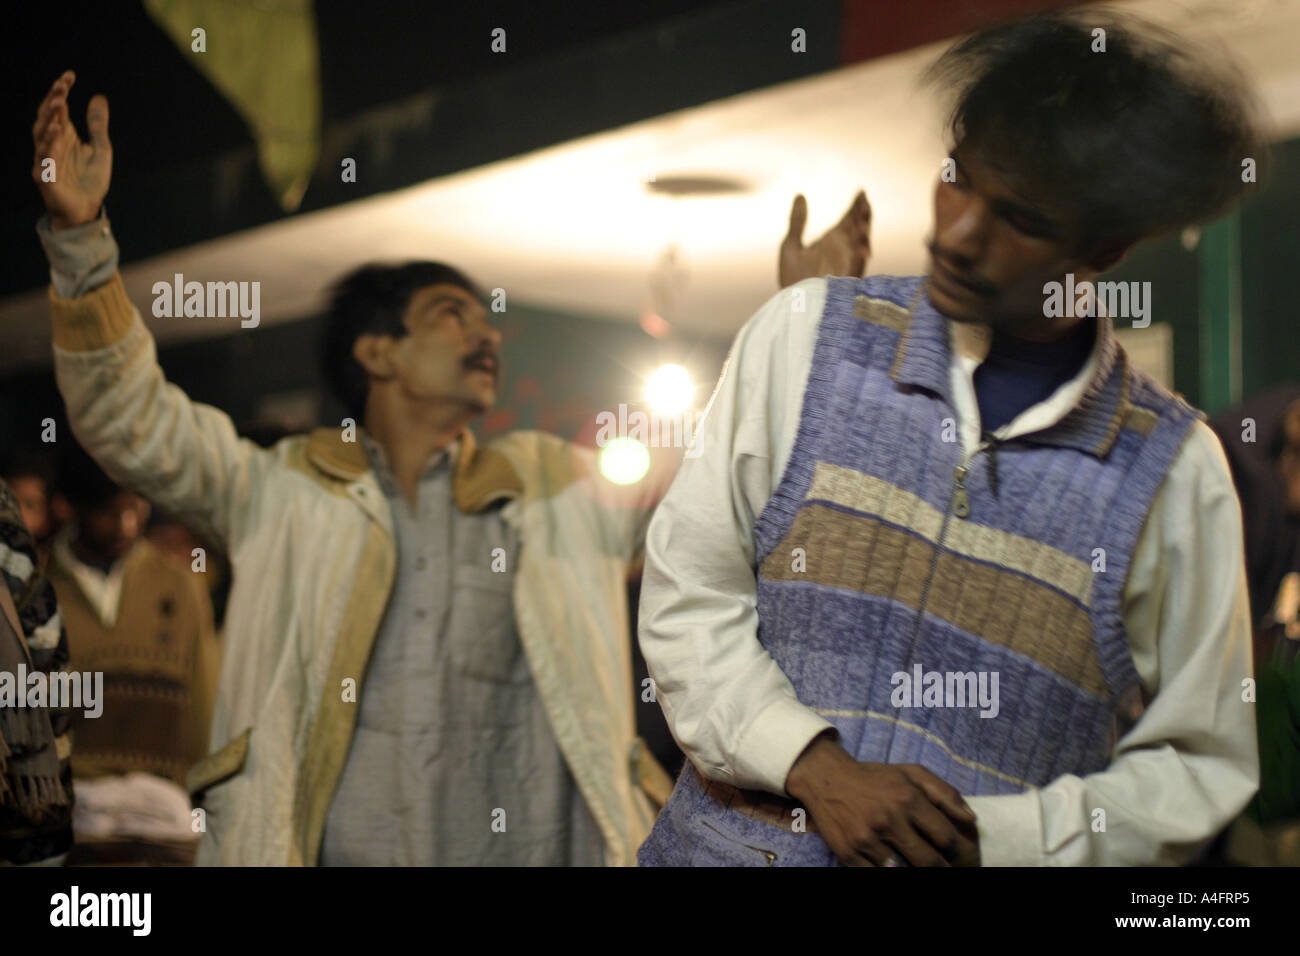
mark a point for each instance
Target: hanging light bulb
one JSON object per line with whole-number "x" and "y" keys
{"x": 670, "y": 390}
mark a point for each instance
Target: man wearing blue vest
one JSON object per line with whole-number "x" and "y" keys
{"x": 946, "y": 580}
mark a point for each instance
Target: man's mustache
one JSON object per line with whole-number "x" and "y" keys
{"x": 484, "y": 358}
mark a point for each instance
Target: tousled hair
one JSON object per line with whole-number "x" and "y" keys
{"x": 1141, "y": 140}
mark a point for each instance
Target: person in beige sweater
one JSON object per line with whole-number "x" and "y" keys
{"x": 145, "y": 622}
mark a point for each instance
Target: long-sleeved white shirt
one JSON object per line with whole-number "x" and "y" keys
{"x": 1179, "y": 775}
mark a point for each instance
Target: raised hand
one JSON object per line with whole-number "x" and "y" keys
{"x": 74, "y": 187}
{"x": 843, "y": 251}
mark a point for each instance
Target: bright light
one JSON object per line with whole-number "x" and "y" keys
{"x": 670, "y": 390}
{"x": 624, "y": 461}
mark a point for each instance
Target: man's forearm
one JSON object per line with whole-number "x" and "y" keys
{"x": 183, "y": 456}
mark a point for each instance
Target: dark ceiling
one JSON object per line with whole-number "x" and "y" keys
{"x": 412, "y": 91}
{"x": 166, "y": 119}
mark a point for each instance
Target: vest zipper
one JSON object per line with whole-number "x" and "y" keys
{"x": 959, "y": 505}
{"x": 960, "y": 501}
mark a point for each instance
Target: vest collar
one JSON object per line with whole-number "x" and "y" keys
{"x": 925, "y": 348}
{"x": 1094, "y": 424}
{"x": 102, "y": 591}
{"x": 482, "y": 475}
{"x": 925, "y": 352}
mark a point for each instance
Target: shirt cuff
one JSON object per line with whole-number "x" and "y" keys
{"x": 773, "y": 742}
{"x": 1010, "y": 829}
{"x": 81, "y": 258}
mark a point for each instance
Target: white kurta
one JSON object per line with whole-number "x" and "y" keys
{"x": 1178, "y": 777}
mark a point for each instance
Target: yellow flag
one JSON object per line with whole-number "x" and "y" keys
{"x": 264, "y": 58}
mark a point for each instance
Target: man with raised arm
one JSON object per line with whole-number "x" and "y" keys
{"x": 426, "y": 657}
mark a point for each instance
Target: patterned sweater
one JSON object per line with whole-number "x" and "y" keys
{"x": 960, "y": 613}
{"x": 23, "y": 840}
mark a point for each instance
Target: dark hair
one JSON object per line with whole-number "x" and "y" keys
{"x": 372, "y": 301}
{"x": 82, "y": 481}
{"x": 1140, "y": 140}
{"x": 27, "y": 463}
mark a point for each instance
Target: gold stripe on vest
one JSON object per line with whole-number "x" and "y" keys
{"x": 863, "y": 554}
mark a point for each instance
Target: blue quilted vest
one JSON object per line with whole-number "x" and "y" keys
{"x": 961, "y": 613}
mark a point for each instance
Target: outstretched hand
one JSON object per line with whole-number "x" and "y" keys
{"x": 74, "y": 184}
{"x": 843, "y": 251}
